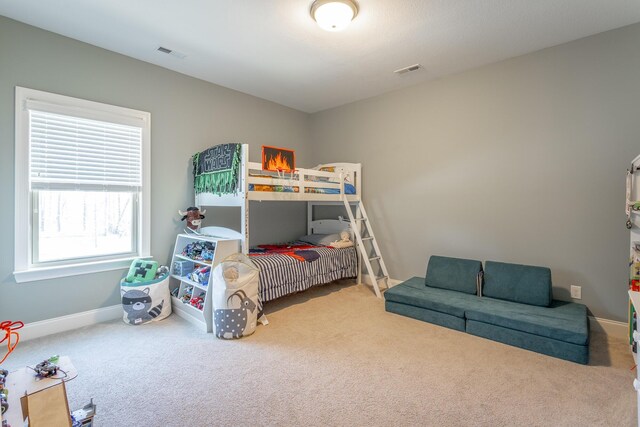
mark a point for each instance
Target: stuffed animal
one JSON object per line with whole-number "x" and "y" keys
{"x": 162, "y": 271}
{"x": 141, "y": 271}
{"x": 194, "y": 217}
{"x": 344, "y": 242}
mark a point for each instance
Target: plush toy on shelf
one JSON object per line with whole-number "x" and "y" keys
{"x": 194, "y": 217}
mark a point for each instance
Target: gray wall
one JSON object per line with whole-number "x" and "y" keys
{"x": 187, "y": 115}
{"x": 521, "y": 161}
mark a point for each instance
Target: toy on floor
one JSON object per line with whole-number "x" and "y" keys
{"x": 4, "y": 405}
{"x": 194, "y": 217}
{"x": 9, "y": 328}
{"x": 3, "y": 402}
{"x": 83, "y": 417}
{"x": 48, "y": 368}
{"x": 141, "y": 271}
{"x": 162, "y": 271}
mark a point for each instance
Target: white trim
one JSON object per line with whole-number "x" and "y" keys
{"x": 144, "y": 205}
{"x": 67, "y": 323}
{"x": 24, "y": 268}
{"x": 392, "y": 282}
{"x": 611, "y": 328}
{"x": 22, "y": 202}
{"x": 43, "y": 273}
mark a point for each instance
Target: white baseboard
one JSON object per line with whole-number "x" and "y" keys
{"x": 611, "y": 328}
{"x": 367, "y": 281}
{"x": 69, "y": 322}
{"x": 393, "y": 282}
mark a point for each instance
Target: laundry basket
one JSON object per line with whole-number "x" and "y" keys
{"x": 235, "y": 297}
{"x": 144, "y": 302}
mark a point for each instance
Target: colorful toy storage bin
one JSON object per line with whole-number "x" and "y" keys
{"x": 144, "y": 302}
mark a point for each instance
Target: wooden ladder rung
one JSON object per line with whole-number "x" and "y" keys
{"x": 360, "y": 219}
{"x": 375, "y": 258}
{"x": 367, "y": 238}
{"x": 381, "y": 277}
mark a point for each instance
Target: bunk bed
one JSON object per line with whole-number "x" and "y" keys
{"x": 297, "y": 266}
{"x": 282, "y": 271}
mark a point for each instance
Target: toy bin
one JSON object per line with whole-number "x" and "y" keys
{"x": 144, "y": 302}
{"x": 235, "y": 297}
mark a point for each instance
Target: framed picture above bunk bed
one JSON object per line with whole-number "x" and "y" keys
{"x": 276, "y": 159}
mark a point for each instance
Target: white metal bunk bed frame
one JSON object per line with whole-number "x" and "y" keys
{"x": 243, "y": 196}
{"x": 332, "y": 180}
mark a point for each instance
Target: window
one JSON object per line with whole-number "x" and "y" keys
{"x": 82, "y": 185}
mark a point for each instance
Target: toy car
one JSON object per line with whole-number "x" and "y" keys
{"x": 46, "y": 369}
{"x": 84, "y": 416}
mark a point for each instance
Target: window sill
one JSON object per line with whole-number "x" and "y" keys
{"x": 44, "y": 273}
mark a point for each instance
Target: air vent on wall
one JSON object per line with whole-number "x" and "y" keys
{"x": 171, "y": 52}
{"x": 410, "y": 68}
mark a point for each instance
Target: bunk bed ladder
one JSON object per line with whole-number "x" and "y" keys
{"x": 360, "y": 224}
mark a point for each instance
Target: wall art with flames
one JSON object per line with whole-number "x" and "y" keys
{"x": 278, "y": 159}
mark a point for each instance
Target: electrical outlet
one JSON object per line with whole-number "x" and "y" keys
{"x": 576, "y": 292}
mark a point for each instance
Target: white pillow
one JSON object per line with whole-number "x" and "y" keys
{"x": 225, "y": 233}
{"x": 341, "y": 244}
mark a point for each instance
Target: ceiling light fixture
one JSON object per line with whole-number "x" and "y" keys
{"x": 334, "y": 15}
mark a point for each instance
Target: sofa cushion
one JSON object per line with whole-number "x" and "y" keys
{"x": 414, "y": 292}
{"x": 548, "y": 346}
{"x": 518, "y": 283}
{"x": 430, "y": 316}
{"x": 453, "y": 273}
{"x": 562, "y": 321}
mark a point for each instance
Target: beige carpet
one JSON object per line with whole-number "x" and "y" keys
{"x": 333, "y": 356}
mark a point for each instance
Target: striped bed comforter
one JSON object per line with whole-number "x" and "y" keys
{"x": 282, "y": 275}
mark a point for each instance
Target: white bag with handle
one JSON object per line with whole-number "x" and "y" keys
{"x": 235, "y": 297}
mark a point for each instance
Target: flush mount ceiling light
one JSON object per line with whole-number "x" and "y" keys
{"x": 333, "y": 15}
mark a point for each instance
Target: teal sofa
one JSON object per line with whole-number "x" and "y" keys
{"x": 514, "y": 305}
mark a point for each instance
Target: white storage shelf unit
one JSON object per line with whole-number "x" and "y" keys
{"x": 186, "y": 286}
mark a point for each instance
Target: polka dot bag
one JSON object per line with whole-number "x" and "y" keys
{"x": 235, "y": 297}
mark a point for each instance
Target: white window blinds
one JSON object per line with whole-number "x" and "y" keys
{"x": 68, "y": 152}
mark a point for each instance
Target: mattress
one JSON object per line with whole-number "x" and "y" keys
{"x": 283, "y": 274}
